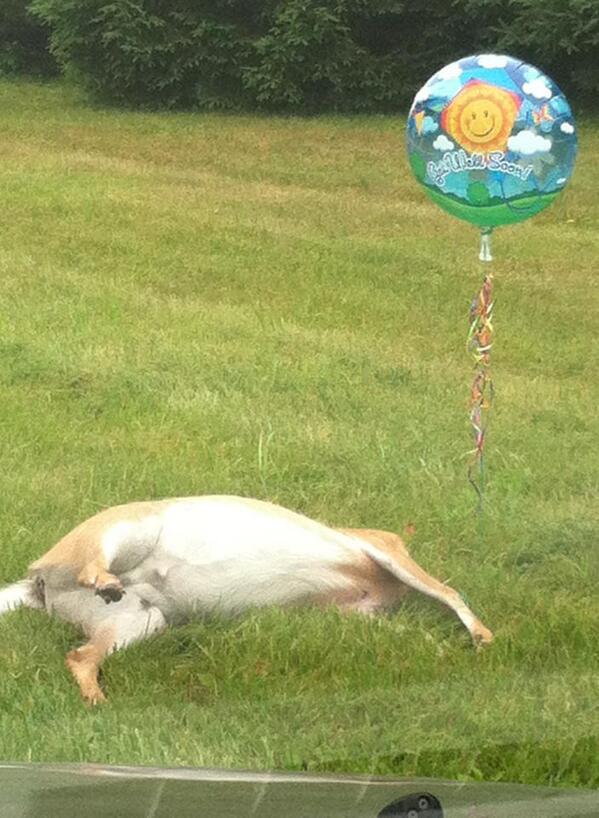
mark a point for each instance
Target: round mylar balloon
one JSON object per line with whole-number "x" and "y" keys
{"x": 491, "y": 139}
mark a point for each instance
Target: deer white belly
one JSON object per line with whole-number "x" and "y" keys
{"x": 227, "y": 554}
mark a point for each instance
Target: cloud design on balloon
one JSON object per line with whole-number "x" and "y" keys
{"x": 422, "y": 95}
{"x": 567, "y": 127}
{"x": 537, "y": 88}
{"x": 442, "y": 143}
{"x": 531, "y": 73}
{"x": 528, "y": 142}
{"x": 450, "y": 72}
{"x": 429, "y": 125}
{"x": 492, "y": 61}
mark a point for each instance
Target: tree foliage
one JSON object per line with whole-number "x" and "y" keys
{"x": 307, "y": 55}
{"x": 24, "y": 47}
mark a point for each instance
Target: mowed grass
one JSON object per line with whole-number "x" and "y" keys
{"x": 272, "y": 307}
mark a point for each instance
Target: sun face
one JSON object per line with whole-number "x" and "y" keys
{"x": 480, "y": 118}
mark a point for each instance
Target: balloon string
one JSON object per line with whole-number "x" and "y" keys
{"x": 479, "y": 344}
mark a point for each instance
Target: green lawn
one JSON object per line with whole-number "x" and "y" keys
{"x": 272, "y": 307}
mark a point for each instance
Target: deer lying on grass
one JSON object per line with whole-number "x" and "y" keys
{"x": 131, "y": 570}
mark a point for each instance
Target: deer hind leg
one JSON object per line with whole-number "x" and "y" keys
{"x": 95, "y": 574}
{"x": 120, "y": 548}
{"x": 84, "y": 663}
{"x": 134, "y": 621}
{"x": 91, "y": 570}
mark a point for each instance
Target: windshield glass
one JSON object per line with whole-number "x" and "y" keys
{"x": 197, "y": 304}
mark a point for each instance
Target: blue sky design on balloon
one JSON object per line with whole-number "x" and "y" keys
{"x": 492, "y": 139}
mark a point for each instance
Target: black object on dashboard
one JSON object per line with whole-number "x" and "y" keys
{"x": 417, "y": 805}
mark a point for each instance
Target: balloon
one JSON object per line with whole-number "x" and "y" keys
{"x": 491, "y": 139}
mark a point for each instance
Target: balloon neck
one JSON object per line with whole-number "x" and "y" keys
{"x": 485, "y": 244}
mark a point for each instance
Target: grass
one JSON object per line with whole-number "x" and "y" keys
{"x": 210, "y": 304}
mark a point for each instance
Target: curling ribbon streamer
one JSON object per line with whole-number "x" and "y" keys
{"x": 480, "y": 341}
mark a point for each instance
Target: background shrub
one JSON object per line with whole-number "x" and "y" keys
{"x": 563, "y": 39}
{"x": 154, "y": 53}
{"x": 307, "y": 55}
{"x": 24, "y": 47}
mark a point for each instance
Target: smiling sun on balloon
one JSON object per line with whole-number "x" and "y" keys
{"x": 481, "y": 117}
